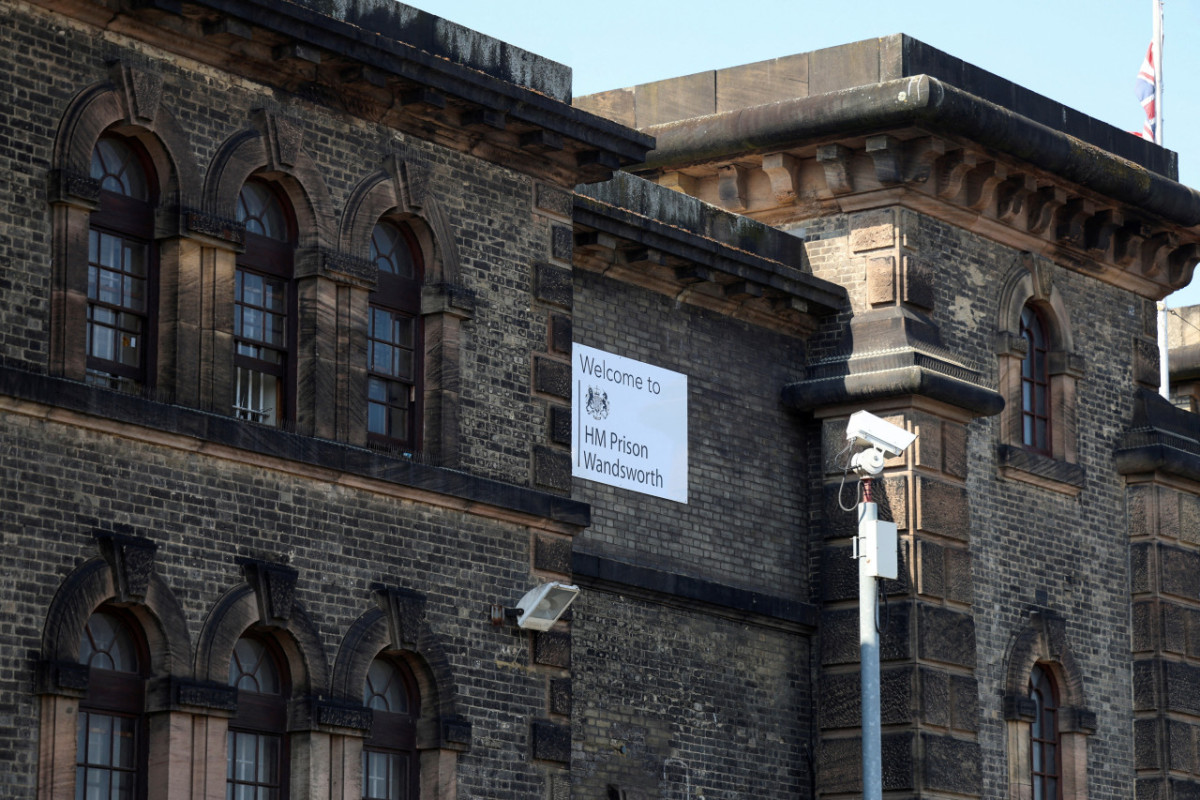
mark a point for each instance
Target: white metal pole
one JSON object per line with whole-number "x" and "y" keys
{"x": 1164, "y": 347}
{"x": 1158, "y": 71}
{"x": 1164, "y": 367}
{"x": 868, "y": 635}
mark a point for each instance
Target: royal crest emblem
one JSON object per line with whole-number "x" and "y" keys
{"x": 597, "y": 403}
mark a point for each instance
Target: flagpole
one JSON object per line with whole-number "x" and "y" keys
{"x": 1158, "y": 71}
{"x": 1164, "y": 347}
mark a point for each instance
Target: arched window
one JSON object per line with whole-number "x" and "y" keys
{"x": 1044, "y": 745}
{"x": 121, "y": 280}
{"x": 256, "y": 764}
{"x": 264, "y": 308}
{"x": 1035, "y": 382}
{"x": 394, "y": 338}
{"x": 110, "y": 761}
{"x": 389, "y": 755}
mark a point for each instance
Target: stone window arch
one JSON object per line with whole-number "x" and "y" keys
{"x": 395, "y": 633}
{"x": 122, "y": 267}
{"x": 86, "y": 196}
{"x": 265, "y": 307}
{"x": 263, "y": 271}
{"x": 111, "y": 751}
{"x": 256, "y": 744}
{"x": 399, "y": 194}
{"x": 1045, "y": 744}
{"x": 1038, "y": 375}
{"x": 1046, "y": 714}
{"x": 113, "y": 626}
{"x": 260, "y": 623}
{"x": 390, "y": 767}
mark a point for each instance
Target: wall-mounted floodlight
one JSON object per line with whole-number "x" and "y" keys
{"x": 542, "y": 606}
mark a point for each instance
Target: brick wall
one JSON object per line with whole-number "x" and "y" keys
{"x": 488, "y": 208}
{"x": 745, "y": 495}
{"x": 670, "y": 703}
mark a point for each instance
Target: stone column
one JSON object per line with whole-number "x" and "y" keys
{"x": 1162, "y": 470}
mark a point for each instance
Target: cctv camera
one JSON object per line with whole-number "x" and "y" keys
{"x": 869, "y": 429}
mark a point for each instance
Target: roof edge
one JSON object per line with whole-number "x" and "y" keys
{"x": 931, "y": 104}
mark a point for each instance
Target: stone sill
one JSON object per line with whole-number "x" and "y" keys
{"x": 186, "y": 427}
{"x": 1054, "y": 474}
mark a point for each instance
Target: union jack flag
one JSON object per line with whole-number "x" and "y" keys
{"x": 1146, "y": 80}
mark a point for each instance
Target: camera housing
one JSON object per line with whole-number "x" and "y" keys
{"x": 869, "y": 429}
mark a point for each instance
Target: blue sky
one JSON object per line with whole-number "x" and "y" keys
{"x": 1084, "y": 53}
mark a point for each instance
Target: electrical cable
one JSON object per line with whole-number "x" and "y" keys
{"x": 880, "y": 592}
{"x": 842, "y": 485}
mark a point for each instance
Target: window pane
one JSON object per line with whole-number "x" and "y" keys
{"x": 402, "y": 363}
{"x": 106, "y": 643}
{"x": 122, "y": 785}
{"x": 118, "y": 169}
{"x": 106, "y": 758}
{"x": 95, "y": 784}
{"x": 390, "y": 251}
{"x": 268, "y": 759}
{"x": 123, "y": 754}
{"x": 257, "y": 395}
{"x": 251, "y": 667}
{"x": 381, "y": 357}
{"x": 102, "y": 344}
{"x": 261, "y": 212}
{"x": 99, "y": 739}
{"x": 385, "y": 776}
{"x": 245, "y": 766}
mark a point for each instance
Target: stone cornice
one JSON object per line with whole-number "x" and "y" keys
{"x": 923, "y": 144}
{"x": 1162, "y": 439}
{"x": 414, "y": 85}
{"x": 634, "y": 231}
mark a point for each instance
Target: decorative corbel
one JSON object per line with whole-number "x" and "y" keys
{"x": 1068, "y": 223}
{"x": 981, "y": 185}
{"x": 1012, "y": 197}
{"x": 1128, "y": 244}
{"x": 1042, "y": 207}
{"x": 1100, "y": 230}
{"x": 922, "y": 158}
{"x": 594, "y": 241}
{"x": 731, "y": 187}
{"x": 680, "y": 183}
{"x": 952, "y": 170}
{"x": 694, "y": 274}
{"x": 1181, "y": 263}
{"x": 835, "y": 158}
{"x": 643, "y": 257}
{"x": 887, "y": 153}
{"x": 1155, "y": 250}
{"x": 743, "y": 290}
{"x": 781, "y": 169}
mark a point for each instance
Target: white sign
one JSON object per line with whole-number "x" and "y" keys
{"x": 629, "y": 424}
